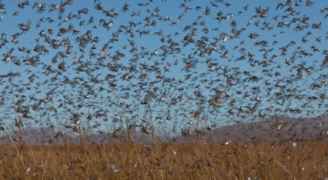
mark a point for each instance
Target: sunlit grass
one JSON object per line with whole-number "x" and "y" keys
{"x": 303, "y": 160}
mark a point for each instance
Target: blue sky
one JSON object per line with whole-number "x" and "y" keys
{"x": 121, "y": 105}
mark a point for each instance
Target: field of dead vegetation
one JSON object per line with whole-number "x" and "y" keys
{"x": 290, "y": 160}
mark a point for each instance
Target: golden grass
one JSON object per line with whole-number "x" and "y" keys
{"x": 306, "y": 160}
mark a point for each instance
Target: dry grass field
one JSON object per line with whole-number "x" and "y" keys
{"x": 302, "y": 160}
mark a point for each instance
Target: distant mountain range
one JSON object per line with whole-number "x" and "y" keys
{"x": 274, "y": 131}
{"x": 50, "y": 136}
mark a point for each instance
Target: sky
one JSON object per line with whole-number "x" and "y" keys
{"x": 278, "y": 73}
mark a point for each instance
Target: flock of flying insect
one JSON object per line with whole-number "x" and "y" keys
{"x": 90, "y": 67}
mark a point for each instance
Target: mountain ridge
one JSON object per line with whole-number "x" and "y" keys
{"x": 271, "y": 131}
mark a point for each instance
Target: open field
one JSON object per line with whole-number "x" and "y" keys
{"x": 290, "y": 160}
{"x": 276, "y": 149}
